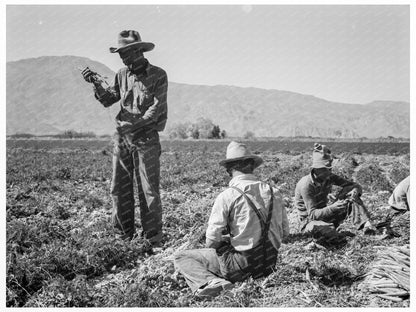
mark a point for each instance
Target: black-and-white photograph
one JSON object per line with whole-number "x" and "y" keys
{"x": 207, "y": 155}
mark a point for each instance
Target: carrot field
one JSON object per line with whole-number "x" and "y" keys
{"x": 62, "y": 251}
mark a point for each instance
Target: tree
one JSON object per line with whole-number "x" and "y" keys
{"x": 216, "y": 131}
{"x": 249, "y": 135}
{"x": 178, "y": 131}
{"x": 193, "y": 131}
{"x": 223, "y": 134}
{"x": 203, "y": 128}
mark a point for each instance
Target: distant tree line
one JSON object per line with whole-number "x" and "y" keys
{"x": 67, "y": 134}
{"x": 71, "y": 134}
{"x": 203, "y": 128}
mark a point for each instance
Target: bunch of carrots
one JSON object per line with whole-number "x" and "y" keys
{"x": 390, "y": 276}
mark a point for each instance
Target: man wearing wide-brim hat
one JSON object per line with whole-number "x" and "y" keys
{"x": 141, "y": 88}
{"x": 316, "y": 216}
{"x": 245, "y": 230}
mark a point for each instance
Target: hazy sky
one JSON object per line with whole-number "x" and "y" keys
{"x": 345, "y": 53}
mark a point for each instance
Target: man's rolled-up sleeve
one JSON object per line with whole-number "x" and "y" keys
{"x": 110, "y": 95}
{"x": 218, "y": 220}
{"x": 347, "y": 186}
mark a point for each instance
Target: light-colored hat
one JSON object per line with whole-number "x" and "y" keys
{"x": 128, "y": 38}
{"x": 321, "y": 156}
{"x": 239, "y": 151}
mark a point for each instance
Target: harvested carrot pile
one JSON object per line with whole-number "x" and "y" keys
{"x": 390, "y": 276}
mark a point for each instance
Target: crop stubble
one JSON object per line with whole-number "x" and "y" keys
{"x": 61, "y": 250}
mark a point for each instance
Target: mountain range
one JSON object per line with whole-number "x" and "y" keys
{"x": 47, "y": 95}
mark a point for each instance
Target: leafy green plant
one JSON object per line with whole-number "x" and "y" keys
{"x": 62, "y": 250}
{"x": 372, "y": 178}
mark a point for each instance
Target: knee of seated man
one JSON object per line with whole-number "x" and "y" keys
{"x": 323, "y": 229}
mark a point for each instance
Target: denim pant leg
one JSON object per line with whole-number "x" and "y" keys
{"x": 147, "y": 167}
{"x": 122, "y": 190}
{"x": 198, "y": 266}
{"x": 337, "y": 219}
{"x": 360, "y": 215}
{"x": 318, "y": 228}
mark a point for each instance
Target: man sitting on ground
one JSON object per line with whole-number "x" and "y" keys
{"x": 247, "y": 224}
{"x": 399, "y": 200}
{"x": 311, "y": 199}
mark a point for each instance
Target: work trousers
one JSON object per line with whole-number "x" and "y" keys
{"x": 359, "y": 216}
{"x": 199, "y": 266}
{"x": 137, "y": 161}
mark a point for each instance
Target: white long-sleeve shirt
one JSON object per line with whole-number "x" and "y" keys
{"x": 232, "y": 208}
{"x": 400, "y": 199}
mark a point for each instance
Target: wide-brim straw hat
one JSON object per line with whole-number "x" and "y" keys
{"x": 129, "y": 38}
{"x": 238, "y": 151}
{"x": 321, "y": 156}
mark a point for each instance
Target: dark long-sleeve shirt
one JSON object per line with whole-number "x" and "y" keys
{"x": 311, "y": 197}
{"x": 143, "y": 97}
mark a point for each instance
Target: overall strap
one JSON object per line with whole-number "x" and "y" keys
{"x": 264, "y": 225}
{"x": 269, "y": 216}
{"x": 252, "y": 206}
{"x": 266, "y": 230}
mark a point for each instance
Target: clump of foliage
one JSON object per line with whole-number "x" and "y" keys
{"x": 22, "y": 135}
{"x": 345, "y": 166}
{"x": 399, "y": 171}
{"x": 373, "y": 178}
{"x": 203, "y": 128}
{"x": 62, "y": 293}
{"x": 72, "y": 134}
{"x": 41, "y": 248}
{"x": 285, "y": 172}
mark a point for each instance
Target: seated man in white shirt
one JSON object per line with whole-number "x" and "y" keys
{"x": 246, "y": 227}
{"x": 400, "y": 198}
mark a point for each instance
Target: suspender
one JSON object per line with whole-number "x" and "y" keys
{"x": 253, "y": 207}
{"x": 264, "y": 225}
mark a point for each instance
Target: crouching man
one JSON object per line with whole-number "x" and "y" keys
{"x": 247, "y": 224}
{"x": 311, "y": 199}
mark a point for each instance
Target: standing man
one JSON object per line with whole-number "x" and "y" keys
{"x": 141, "y": 88}
{"x": 245, "y": 230}
{"x": 311, "y": 198}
